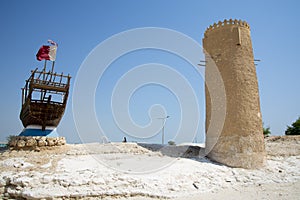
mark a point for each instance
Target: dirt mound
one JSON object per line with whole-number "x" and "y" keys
{"x": 283, "y": 145}
{"x": 91, "y": 171}
{"x": 287, "y": 138}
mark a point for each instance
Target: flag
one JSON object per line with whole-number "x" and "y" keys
{"x": 47, "y": 53}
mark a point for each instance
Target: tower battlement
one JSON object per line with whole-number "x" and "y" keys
{"x": 226, "y": 23}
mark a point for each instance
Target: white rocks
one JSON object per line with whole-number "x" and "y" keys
{"x": 32, "y": 142}
{"x": 20, "y": 144}
{"x": 49, "y": 164}
{"x": 46, "y": 179}
{"x": 41, "y": 141}
{"x": 61, "y": 141}
{"x": 51, "y": 141}
{"x": 62, "y": 175}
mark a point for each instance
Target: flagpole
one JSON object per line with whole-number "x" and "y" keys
{"x": 44, "y": 70}
{"x": 52, "y": 69}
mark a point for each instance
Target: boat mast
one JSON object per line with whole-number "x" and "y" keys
{"x": 43, "y": 92}
{"x": 44, "y": 70}
{"x": 52, "y": 70}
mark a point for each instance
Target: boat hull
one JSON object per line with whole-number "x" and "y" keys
{"x": 43, "y": 114}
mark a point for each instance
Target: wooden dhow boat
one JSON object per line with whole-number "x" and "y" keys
{"x": 45, "y": 95}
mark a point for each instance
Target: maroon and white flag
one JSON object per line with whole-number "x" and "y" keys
{"x": 47, "y": 52}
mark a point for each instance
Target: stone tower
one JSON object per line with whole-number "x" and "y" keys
{"x": 240, "y": 143}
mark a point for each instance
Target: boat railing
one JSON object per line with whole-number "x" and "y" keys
{"x": 46, "y": 102}
{"x": 49, "y": 78}
{"x": 49, "y": 83}
{"x": 45, "y": 83}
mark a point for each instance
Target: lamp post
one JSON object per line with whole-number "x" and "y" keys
{"x": 163, "y": 127}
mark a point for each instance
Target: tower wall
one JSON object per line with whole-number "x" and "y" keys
{"x": 241, "y": 142}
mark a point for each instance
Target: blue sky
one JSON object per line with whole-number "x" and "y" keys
{"x": 79, "y": 26}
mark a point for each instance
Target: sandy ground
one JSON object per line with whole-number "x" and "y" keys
{"x": 146, "y": 171}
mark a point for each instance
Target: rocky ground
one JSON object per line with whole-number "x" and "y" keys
{"x": 145, "y": 171}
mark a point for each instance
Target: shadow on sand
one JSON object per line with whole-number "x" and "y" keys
{"x": 183, "y": 151}
{"x": 194, "y": 152}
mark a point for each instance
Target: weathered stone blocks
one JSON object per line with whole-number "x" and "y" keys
{"x": 31, "y": 142}
{"x": 41, "y": 141}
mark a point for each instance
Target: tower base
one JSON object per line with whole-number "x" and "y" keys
{"x": 237, "y": 151}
